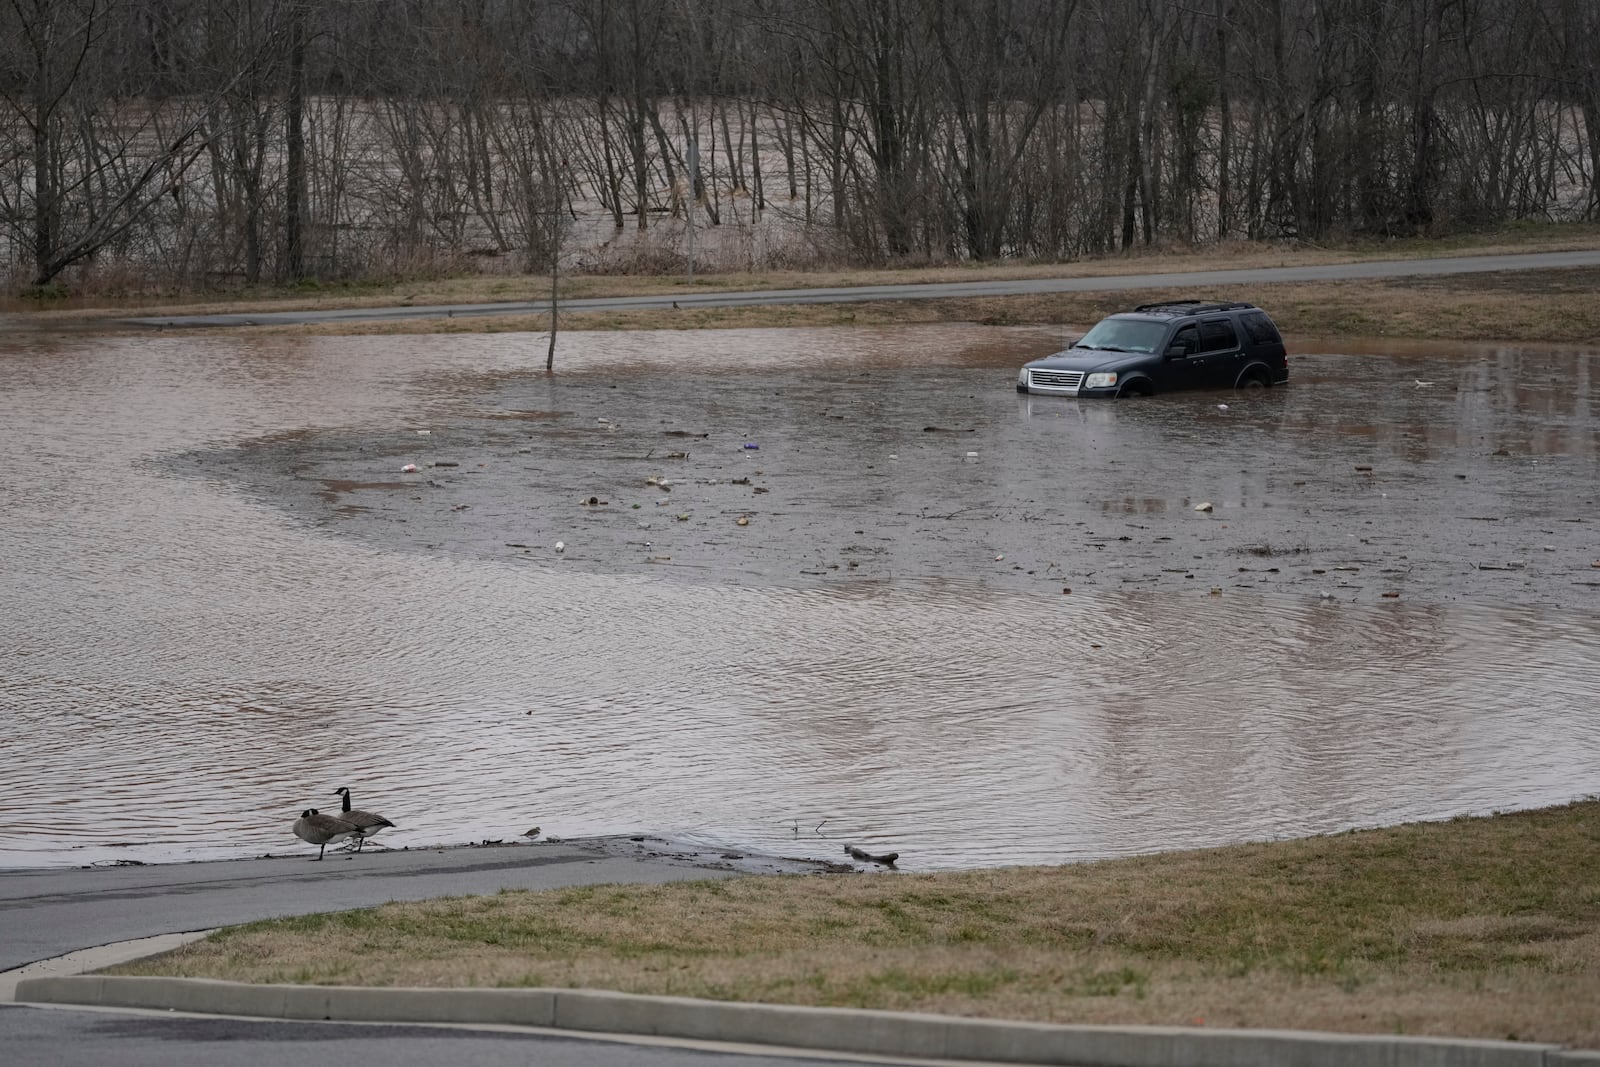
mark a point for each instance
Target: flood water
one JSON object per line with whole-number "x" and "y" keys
{"x": 207, "y": 624}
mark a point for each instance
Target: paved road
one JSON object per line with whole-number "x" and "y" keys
{"x": 47, "y": 913}
{"x": 38, "y": 1037}
{"x": 1197, "y": 280}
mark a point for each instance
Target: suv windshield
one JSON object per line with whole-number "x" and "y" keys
{"x": 1124, "y": 335}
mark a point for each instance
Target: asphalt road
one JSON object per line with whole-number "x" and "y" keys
{"x": 46, "y": 913}
{"x": 46, "y": 1037}
{"x": 49, "y": 912}
{"x": 932, "y": 291}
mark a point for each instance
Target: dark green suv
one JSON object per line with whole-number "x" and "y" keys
{"x": 1156, "y": 348}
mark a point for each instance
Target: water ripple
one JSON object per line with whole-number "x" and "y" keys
{"x": 183, "y": 669}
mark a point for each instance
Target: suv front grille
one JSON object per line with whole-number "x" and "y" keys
{"x": 1056, "y": 379}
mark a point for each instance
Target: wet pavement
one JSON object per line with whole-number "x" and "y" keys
{"x": 41, "y": 1038}
{"x": 45, "y": 912}
{"x": 227, "y": 599}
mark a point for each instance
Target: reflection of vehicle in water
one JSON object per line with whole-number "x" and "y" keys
{"x": 1030, "y": 407}
{"x": 1158, "y": 348}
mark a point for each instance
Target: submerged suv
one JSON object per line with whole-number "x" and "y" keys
{"x": 1156, "y": 348}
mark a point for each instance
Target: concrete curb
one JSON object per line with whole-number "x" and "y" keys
{"x": 93, "y": 959}
{"x": 829, "y": 1029}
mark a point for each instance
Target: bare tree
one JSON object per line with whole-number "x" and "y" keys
{"x": 239, "y": 140}
{"x": 1002, "y": 72}
{"x": 90, "y": 181}
{"x": 294, "y": 191}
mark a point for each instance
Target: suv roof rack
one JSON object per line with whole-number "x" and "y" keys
{"x": 1192, "y": 307}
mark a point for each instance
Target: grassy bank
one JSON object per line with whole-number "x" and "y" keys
{"x": 1486, "y": 927}
{"x": 1516, "y": 306}
{"x": 1519, "y": 306}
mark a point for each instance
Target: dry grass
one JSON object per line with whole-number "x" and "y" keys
{"x": 1483, "y": 927}
{"x": 488, "y": 288}
{"x": 1553, "y": 306}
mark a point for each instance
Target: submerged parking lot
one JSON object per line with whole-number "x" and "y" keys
{"x": 1431, "y": 474}
{"x": 231, "y": 599}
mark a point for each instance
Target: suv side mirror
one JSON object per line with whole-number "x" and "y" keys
{"x": 1177, "y": 351}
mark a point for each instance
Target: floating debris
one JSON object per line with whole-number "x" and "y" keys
{"x": 887, "y": 859}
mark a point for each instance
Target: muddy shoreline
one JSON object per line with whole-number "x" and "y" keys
{"x": 642, "y": 847}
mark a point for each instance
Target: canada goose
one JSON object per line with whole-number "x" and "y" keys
{"x": 318, "y": 829}
{"x": 366, "y": 823}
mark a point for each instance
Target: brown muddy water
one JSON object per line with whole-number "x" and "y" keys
{"x": 222, "y": 598}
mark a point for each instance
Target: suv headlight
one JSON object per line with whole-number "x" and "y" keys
{"x": 1100, "y": 381}
{"x": 1022, "y": 376}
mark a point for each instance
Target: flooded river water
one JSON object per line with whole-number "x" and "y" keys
{"x": 969, "y": 626}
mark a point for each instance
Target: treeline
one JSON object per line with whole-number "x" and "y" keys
{"x": 206, "y": 142}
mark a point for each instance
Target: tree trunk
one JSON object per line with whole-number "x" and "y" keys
{"x": 555, "y": 276}
{"x": 757, "y": 187}
{"x": 1225, "y": 122}
{"x": 294, "y": 193}
{"x": 46, "y": 195}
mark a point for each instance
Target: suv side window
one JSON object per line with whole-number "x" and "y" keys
{"x": 1259, "y": 328}
{"x": 1187, "y": 338}
{"x": 1217, "y": 336}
